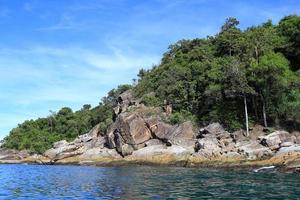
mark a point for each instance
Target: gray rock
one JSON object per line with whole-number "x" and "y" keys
{"x": 253, "y": 150}
{"x": 154, "y": 142}
{"x": 214, "y": 130}
{"x": 161, "y": 130}
{"x": 110, "y": 140}
{"x": 286, "y": 144}
{"x": 124, "y": 101}
{"x": 274, "y": 139}
{"x": 181, "y": 135}
{"x": 161, "y": 150}
{"x": 9, "y": 154}
{"x": 132, "y": 128}
{"x": 296, "y": 134}
{"x": 100, "y": 152}
{"x": 126, "y": 149}
{"x": 91, "y": 135}
{"x": 208, "y": 147}
{"x": 128, "y": 133}
{"x": 284, "y": 150}
{"x": 63, "y": 149}
{"x": 238, "y": 135}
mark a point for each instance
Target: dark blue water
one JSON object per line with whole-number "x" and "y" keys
{"x": 81, "y": 182}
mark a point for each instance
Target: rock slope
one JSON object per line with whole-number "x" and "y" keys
{"x": 139, "y": 135}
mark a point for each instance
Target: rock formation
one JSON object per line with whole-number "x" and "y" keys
{"x": 136, "y": 136}
{"x": 85, "y": 147}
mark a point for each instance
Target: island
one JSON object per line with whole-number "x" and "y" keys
{"x": 227, "y": 100}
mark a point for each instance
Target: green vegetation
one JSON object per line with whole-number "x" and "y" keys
{"x": 39, "y": 135}
{"x": 180, "y": 117}
{"x": 237, "y": 77}
{"x": 251, "y": 73}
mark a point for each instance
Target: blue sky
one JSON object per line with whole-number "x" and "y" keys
{"x": 67, "y": 53}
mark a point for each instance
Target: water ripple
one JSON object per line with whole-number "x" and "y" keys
{"x": 78, "y": 182}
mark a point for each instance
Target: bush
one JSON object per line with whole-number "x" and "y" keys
{"x": 150, "y": 100}
{"x": 180, "y": 117}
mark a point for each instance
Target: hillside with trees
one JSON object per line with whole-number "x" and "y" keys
{"x": 237, "y": 77}
{"x": 218, "y": 78}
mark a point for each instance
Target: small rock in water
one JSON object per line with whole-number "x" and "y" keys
{"x": 264, "y": 168}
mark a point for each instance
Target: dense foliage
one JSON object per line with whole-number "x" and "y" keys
{"x": 38, "y": 135}
{"x": 215, "y": 78}
{"x": 236, "y": 74}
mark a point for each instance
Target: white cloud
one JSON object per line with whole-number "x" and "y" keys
{"x": 65, "y": 74}
{"x": 44, "y": 78}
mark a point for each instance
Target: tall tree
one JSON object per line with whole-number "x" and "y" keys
{"x": 236, "y": 85}
{"x": 270, "y": 78}
{"x": 228, "y": 41}
{"x": 261, "y": 40}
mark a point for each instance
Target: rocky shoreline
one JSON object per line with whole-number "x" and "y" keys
{"x": 140, "y": 136}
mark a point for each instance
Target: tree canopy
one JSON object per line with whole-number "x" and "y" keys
{"x": 209, "y": 77}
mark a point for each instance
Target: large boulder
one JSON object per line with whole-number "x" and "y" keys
{"x": 274, "y": 139}
{"x": 181, "y": 134}
{"x": 214, "y": 141}
{"x": 208, "y": 147}
{"x": 160, "y": 129}
{"x": 165, "y": 131}
{"x": 63, "y": 149}
{"x": 253, "y": 150}
{"x": 184, "y": 131}
{"x": 128, "y": 133}
{"x": 133, "y": 129}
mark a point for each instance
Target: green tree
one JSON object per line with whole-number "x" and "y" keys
{"x": 270, "y": 77}
{"x": 289, "y": 27}
{"x": 236, "y": 85}
{"x": 230, "y": 38}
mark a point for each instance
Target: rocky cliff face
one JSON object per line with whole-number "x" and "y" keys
{"x": 139, "y": 137}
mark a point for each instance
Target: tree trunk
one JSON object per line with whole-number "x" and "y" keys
{"x": 246, "y": 116}
{"x": 264, "y": 112}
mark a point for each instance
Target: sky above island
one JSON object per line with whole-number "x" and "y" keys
{"x": 69, "y": 53}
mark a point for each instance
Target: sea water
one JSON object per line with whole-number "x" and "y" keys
{"x": 143, "y": 182}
